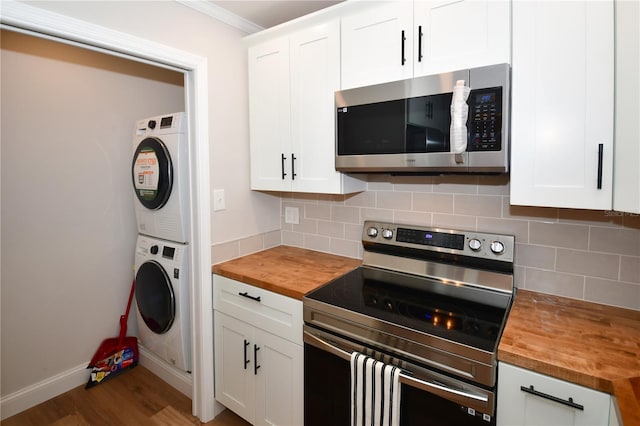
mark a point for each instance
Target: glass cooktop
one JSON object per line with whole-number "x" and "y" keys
{"x": 465, "y": 315}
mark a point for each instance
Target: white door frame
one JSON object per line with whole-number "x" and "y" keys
{"x": 22, "y": 17}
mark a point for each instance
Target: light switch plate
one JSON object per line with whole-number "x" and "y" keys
{"x": 218, "y": 200}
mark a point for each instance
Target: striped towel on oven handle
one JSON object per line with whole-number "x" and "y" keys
{"x": 375, "y": 392}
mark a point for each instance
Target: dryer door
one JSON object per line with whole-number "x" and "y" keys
{"x": 152, "y": 173}
{"x": 155, "y": 297}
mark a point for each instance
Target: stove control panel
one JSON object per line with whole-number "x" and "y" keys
{"x": 466, "y": 243}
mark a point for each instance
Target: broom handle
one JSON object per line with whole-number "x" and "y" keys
{"x": 125, "y": 317}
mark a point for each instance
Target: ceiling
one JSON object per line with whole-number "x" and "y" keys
{"x": 267, "y": 13}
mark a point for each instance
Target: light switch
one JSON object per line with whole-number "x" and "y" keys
{"x": 218, "y": 200}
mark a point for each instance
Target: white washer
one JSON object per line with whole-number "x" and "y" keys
{"x": 159, "y": 176}
{"x": 162, "y": 298}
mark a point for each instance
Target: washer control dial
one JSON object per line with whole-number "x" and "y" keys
{"x": 497, "y": 247}
{"x": 372, "y": 232}
{"x": 475, "y": 244}
{"x": 387, "y": 234}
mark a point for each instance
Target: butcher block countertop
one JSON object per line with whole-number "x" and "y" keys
{"x": 290, "y": 271}
{"x": 589, "y": 344}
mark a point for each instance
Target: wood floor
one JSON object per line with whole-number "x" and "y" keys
{"x": 135, "y": 397}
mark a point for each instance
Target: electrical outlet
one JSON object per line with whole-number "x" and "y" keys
{"x": 291, "y": 215}
{"x": 218, "y": 200}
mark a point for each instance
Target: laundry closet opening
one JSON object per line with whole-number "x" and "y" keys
{"x": 68, "y": 221}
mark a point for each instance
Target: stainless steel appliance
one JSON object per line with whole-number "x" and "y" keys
{"x": 404, "y": 126}
{"x": 430, "y": 301}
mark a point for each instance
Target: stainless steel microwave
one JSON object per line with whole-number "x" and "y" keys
{"x": 404, "y": 126}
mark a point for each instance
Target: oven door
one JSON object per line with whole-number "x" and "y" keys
{"x": 427, "y": 397}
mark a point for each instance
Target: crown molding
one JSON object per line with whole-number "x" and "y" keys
{"x": 222, "y": 14}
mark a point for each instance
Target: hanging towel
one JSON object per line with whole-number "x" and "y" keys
{"x": 375, "y": 392}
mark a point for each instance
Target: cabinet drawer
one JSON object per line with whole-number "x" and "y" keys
{"x": 272, "y": 312}
{"x": 529, "y": 398}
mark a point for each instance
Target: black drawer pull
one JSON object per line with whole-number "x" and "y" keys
{"x": 256, "y": 348}
{"x": 248, "y": 296}
{"x": 293, "y": 167}
{"x": 282, "y": 159}
{"x": 420, "y": 43}
{"x": 600, "y": 154}
{"x": 246, "y": 361}
{"x": 568, "y": 402}
{"x": 402, "y": 40}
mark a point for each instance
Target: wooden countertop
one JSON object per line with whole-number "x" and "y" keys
{"x": 589, "y": 344}
{"x": 290, "y": 271}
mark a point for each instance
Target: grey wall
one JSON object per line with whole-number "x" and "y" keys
{"x": 68, "y": 223}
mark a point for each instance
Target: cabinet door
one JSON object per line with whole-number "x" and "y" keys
{"x": 315, "y": 76}
{"x": 233, "y": 375}
{"x": 459, "y": 34}
{"x": 279, "y": 381}
{"x": 518, "y": 407}
{"x": 562, "y": 104}
{"x": 269, "y": 115}
{"x": 373, "y": 48}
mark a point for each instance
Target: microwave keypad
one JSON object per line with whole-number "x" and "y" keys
{"x": 485, "y": 121}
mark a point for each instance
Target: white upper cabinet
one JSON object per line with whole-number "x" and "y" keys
{"x": 397, "y": 40}
{"x": 377, "y": 44}
{"x": 562, "y": 104}
{"x": 626, "y": 195}
{"x": 292, "y": 80}
{"x": 269, "y": 115}
{"x": 459, "y": 34}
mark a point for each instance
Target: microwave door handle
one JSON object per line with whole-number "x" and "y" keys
{"x": 402, "y": 40}
{"x": 433, "y": 387}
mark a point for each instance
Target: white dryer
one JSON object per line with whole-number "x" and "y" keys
{"x": 162, "y": 298}
{"x": 160, "y": 177}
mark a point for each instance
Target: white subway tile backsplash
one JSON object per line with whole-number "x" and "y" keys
{"x": 588, "y": 263}
{"x": 630, "y": 269}
{"x": 615, "y": 240}
{"x": 434, "y": 203}
{"x": 611, "y": 292}
{"x": 393, "y": 200}
{"x": 559, "y": 235}
{"x": 583, "y": 254}
{"x": 541, "y": 257}
{"x": 345, "y": 214}
{"x": 561, "y": 284}
{"x": 477, "y": 205}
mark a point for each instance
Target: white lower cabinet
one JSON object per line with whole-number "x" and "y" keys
{"x": 258, "y": 374}
{"x": 529, "y": 398}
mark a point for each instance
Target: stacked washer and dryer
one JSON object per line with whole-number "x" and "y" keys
{"x": 159, "y": 173}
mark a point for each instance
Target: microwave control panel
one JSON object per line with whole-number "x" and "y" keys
{"x": 485, "y": 119}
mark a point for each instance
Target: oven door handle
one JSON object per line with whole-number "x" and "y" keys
{"x": 404, "y": 378}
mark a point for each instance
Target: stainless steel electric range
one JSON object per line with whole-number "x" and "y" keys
{"x": 431, "y": 301}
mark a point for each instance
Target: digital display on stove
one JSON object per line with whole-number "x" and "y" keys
{"x": 428, "y": 238}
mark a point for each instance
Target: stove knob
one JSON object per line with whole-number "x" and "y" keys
{"x": 497, "y": 247}
{"x": 475, "y": 244}
{"x": 372, "y": 232}
{"x": 387, "y": 234}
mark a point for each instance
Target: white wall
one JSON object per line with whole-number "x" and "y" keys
{"x": 68, "y": 222}
{"x": 172, "y": 24}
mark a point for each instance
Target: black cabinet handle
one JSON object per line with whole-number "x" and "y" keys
{"x": 419, "y": 43}
{"x": 246, "y": 361}
{"x": 282, "y": 159}
{"x": 256, "y": 348}
{"x": 293, "y": 167}
{"x": 402, "y": 40}
{"x": 600, "y": 154}
{"x": 568, "y": 402}
{"x": 248, "y": 296}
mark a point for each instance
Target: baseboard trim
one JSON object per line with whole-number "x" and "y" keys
{"x": 37, "y": 393}
{"x": 181, "y": 380}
